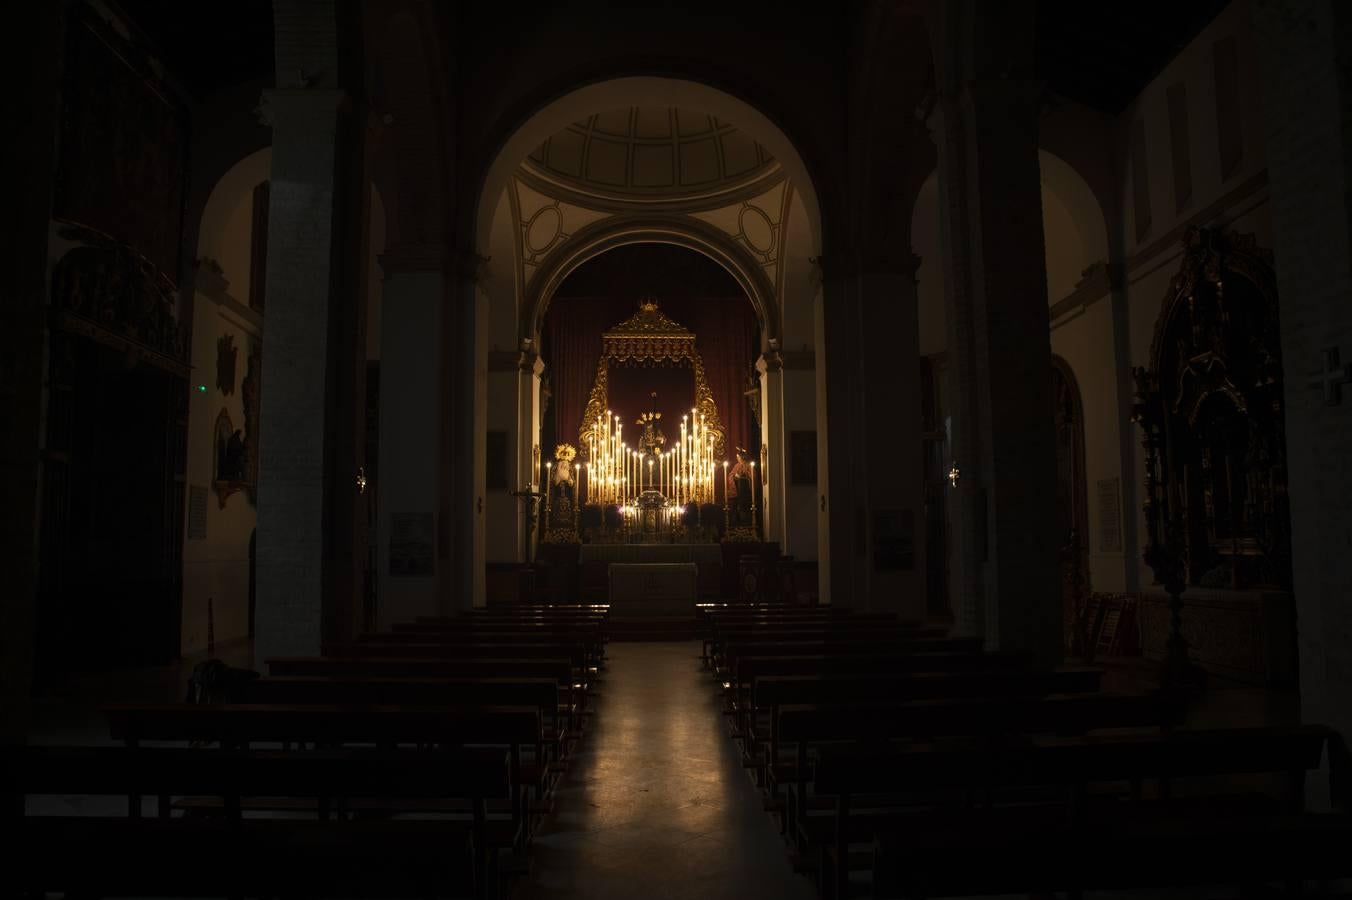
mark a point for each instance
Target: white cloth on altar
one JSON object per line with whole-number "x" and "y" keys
{"x": 653, "y": 589}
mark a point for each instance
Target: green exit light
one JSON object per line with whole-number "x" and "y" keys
{"x": 202, "y": 388}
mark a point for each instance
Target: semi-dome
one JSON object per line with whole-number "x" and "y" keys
{"x": 652, "y": 153}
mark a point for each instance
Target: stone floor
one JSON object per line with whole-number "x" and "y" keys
{"x": 656, "y": 804}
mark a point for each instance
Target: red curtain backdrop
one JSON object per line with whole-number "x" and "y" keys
{"x": 691, "y": 289}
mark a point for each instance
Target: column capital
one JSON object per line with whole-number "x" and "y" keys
{"x": 833, "y": 267}
{"x": 771, "y": 361}
{"x": 470, "y": 266}
{"x": 528, "y": 358}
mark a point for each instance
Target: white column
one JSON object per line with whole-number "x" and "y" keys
{"x": 414, "y": 296}
{"x": 773, "y": 437}
{"x": 530, "y": 455}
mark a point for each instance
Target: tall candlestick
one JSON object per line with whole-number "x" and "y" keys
{"x": 549, "y": 489}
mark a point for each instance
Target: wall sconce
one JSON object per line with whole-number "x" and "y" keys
{"x": 954, "y": 474}
{"x": 361, "y": 480}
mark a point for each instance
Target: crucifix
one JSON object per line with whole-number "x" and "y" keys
{"x": 1333, "y": 376}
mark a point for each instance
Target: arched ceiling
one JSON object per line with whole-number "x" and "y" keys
{"x": 652, "y": 154}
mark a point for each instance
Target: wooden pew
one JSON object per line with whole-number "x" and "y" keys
{"x": 255, "y": 857}
{"x": 717, "y": 642}
{"x": 239, "y": 726}
{"x": 862, "y": 644}
{"x": 571, "y": 687}
{"x": 541, "y": 693}
{"x": 995, "y": 769}
{"x": 235, "y": 855}
{"x": 770, "y": 693}
{"x": 799, "y": 729}
{"x": 576, "y": 652}
{"x": 1242, "y": 851}
{"x": 744, "y": 662}
{"x": 496, "y": 632}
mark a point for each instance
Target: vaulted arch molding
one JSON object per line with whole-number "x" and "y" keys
{"x": 623, "y": 92}
{"x": 689, "y": 234}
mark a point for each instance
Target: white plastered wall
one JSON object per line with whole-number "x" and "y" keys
{"x": 216, "y": 568}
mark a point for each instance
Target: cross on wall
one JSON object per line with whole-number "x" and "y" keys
{"x": 1333, "y": 376}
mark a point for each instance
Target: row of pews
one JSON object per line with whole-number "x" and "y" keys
{"x": 901, "y": 762}
{"x": 412, "y": 763}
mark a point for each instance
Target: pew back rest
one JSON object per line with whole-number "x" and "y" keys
{"x": 243, "y": 724}
{"x": 114, "y": 771}
{"x": 1069, "y": 761}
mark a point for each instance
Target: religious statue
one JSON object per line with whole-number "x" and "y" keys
{"x": 652, "y": 439}
{"x": 561, "y": 498}
{"x": 739, "y": 489}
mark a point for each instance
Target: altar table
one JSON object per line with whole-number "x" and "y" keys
{"x": 653, "y": 589}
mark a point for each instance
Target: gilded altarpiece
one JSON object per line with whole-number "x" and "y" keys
{"x": 649, "y": 338}
{"x": 1211, "y": 412}
{"x": 1216, "y": 377}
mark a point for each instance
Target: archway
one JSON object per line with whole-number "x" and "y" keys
{"x": 762, "y": 231}
{"x": 228, "y": 304}
{"x": 1072, "y": 510}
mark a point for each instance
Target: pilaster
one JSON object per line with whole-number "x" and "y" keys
{"x": 772, "y": 470}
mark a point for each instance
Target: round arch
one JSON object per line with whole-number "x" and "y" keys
{"x": 689, "y": 234}
{"x": 638, "y": 91}
{"x": 231, "y": 198}
{"x": 1069, "y": 187}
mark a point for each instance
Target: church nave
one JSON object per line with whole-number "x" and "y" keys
{"x": 656, "y": 804}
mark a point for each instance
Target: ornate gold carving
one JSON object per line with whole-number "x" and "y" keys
{"x": 650, "y": 337}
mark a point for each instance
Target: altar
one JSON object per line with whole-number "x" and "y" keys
{"x": 595, "y": 561}
{"x": 652, "y": 589}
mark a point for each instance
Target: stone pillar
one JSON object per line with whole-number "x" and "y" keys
{"x": 502, "y": 512}
{"x": 890, "y": 436}
{"x": 23, "y": 363}
{"x": 301, "y": 438}
{"x": 1006, "y": 578}
{"x": 530, "y": 455}
{"x": 773, "y": 436}
{"x": 841, "y": 483}
{"x": 462, "y": 546}
{"x": 1305, "y": 52}
{"x": 414, "y": 297}
{"x": 876, "y": 498}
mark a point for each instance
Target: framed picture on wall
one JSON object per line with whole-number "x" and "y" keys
{"x": 803, "y": 457}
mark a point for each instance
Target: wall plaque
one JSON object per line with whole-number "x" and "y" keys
{"x": 411, "y": 538}
{"x": 1110, "y": 515}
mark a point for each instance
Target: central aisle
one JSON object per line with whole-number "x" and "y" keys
{"x": 656, "y": 804}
